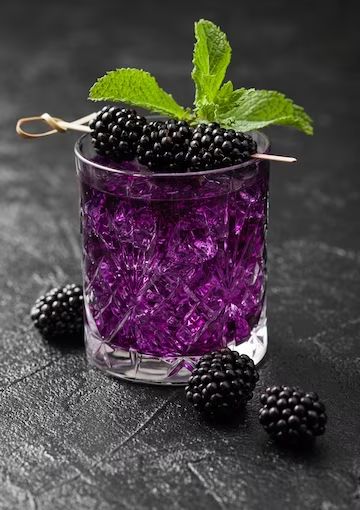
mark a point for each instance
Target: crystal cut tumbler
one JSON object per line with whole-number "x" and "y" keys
{"x": 174, "y": 264}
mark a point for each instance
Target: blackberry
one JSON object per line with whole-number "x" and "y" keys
{"x": 292, "y": 415}
{"x": 214, "y": 147}
{"x": 116, "y": 132}
{"x": 164, "y": 144}
{"x": 59, "y": 312}
{"x": 222, "y": 382}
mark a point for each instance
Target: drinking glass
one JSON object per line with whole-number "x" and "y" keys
{"x": 174, "y": 264}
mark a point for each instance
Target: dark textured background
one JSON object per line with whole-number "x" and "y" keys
{"x": 71, "y": 438}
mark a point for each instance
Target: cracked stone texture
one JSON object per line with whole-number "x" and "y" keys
{"x": 72, "y": 438}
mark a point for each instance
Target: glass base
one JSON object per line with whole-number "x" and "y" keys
{"x": 137, "y": 367}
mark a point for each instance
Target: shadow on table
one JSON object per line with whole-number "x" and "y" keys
{"x": 66, "y": 345}
{"x": 225, "y": 422}
{"x": 309, "y": 453}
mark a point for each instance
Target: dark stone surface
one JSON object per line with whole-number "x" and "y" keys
{"x": 71, "y": 438}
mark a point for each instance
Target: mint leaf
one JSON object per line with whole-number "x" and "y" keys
{"x": 212, "y": 54}
{"x": 207, "y": 113}
{"x": 137, "y": 88}
{"x": 225, "y": 94}
{"x": 248, "y": 109}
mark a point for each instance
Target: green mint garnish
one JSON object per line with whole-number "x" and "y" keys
{"x": 241, "y": 109}
{"x": 254, "y": 109}
{"x": 136, "y": 88}
{"x": 212, "y": 55}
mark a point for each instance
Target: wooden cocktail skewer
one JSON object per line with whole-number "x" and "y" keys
{"x": 273, "y": 157}
{"x": 57, "y": 125}
{"x": 61, "y": 126}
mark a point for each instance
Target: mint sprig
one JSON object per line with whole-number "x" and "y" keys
{"x": 240, "y": 109}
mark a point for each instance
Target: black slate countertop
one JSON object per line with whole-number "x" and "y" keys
{"x": 72, "y": 438}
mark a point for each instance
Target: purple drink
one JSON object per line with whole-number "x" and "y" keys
{"x": 174, "y": 264}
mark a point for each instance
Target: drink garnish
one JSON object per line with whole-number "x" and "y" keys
{"x": 213, "y": 134}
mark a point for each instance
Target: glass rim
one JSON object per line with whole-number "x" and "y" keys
{"x": 149, "y": 173}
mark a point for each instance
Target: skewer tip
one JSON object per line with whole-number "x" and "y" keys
{"x": 273, "y": 157}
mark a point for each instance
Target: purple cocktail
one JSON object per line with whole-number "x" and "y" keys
{"x": 174, "y": 264}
